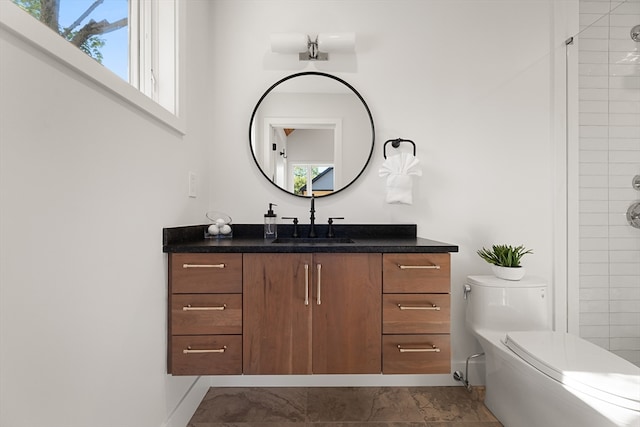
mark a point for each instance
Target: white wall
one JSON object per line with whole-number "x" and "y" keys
{"x": 84, "y": 199}
{"x": 469, "y": 81}
{"x": 87, "y": 184}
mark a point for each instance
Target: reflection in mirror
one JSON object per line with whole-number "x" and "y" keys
{"x": 311, "y": 133}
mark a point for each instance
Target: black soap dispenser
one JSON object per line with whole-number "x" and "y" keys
{"x": 271, "y": 223}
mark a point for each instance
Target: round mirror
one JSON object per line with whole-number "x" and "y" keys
{"x": 311, "y": 133}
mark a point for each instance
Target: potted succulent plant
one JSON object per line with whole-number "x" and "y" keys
{"x": 505, "y": 260}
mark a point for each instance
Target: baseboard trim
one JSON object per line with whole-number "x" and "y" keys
{"x": 188, "y": 404}
{"x": 362, "y": 380}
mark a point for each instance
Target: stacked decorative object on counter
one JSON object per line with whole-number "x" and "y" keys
{"x": 220, "y": 227}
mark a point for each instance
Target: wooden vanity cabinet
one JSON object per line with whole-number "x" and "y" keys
{"x": 312, "y": 313}
{"x": 416, "y": 314}
{"x": 205, "y": 314}
{"x": 309, "y": 313}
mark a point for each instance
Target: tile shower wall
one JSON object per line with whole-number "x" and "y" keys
{"x": 609, "y": 144}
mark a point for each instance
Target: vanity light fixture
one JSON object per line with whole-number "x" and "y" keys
{"x": 311, "y": 48}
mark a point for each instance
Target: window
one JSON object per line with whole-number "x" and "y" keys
{"x": 97, "y": 27}
{"x": 313, "y": 179}
{"x": 136, "y": 40}
{"x": 154, "y": 58}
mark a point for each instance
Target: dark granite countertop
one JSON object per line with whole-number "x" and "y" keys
{"x": 248, "y": 238}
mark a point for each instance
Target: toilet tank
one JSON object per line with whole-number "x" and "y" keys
{"x": 507, "y": 305}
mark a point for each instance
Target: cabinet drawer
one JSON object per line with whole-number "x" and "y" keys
{"x": 206, "y": 355}
{"x": 415, "y": 354}
{"x": 202, "y": 314}
{"x": 205, "y": 273}
{"x": 416, "y": 314}
{"x": 414, "y": 273}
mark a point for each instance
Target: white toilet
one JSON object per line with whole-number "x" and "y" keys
{"x": 537, "y": 377}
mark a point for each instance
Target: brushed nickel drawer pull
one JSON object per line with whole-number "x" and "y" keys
{"x": 306, "y": 284}
{"x": 203, "y": 266}
{"x": 415, "y": 267}
{"x": 418, "y": 307}
{"x": 188, "y": 307}
{"x": 213, "y": 350}
{"x": 319, "y": 267}
{"x": 433, "y": 349}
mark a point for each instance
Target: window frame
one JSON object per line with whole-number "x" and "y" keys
{"x": 23, "y": 25}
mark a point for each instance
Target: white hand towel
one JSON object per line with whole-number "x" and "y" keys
{"x": 399, "y": 170}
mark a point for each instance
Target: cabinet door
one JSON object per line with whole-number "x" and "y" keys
{"x": 206, "y": 354}
{"x": 416, "y": 314}
{"x": 276, "y": 319}
{"x": 416, "y": 354}
{"x": 417, "y": 273}
{"x": 205, "y": 314}
{"x": 205, "y": 273}
{"x": 347, "y": 295}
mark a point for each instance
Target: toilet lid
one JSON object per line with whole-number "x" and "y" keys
{"x": 579, "y": 364}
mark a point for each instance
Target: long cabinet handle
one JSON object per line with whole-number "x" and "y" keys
{"x": 419, "y": 307}
{"x": 203, "y": 266}
{"x": 319, "y": 267}
{"x": 188, "y": 307}
{"x": 188, "y": 350}
{"x": 433, "y": 349}
{"x": 415, "y": 267}
{"x": 306, "y": 284}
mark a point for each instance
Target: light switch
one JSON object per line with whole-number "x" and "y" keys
{"x": 192, "y": 184}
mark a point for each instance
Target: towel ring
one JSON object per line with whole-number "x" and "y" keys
{"x": 395, "y": 143}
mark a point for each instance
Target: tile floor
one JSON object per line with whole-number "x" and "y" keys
{"x": 342, "y": 407}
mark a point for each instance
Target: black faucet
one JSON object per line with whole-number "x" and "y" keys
{"x": 295, "y": 225}
{"x": 330, "y": 233}
{"x": 312, "y": 226}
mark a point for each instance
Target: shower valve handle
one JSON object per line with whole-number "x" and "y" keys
{"x": 633, "y": 215}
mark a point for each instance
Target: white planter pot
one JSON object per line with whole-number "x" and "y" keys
{"x": 508, "y": 273}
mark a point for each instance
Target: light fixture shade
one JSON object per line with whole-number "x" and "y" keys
{"x": 288, "y": 42}
{"x": 337, "y": 42}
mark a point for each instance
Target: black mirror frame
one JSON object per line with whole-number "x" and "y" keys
{"x": 314, "y": 73}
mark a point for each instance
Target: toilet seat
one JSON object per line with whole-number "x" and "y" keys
{"x": 580, "y": 365}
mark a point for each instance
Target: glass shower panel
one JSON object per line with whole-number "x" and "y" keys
{"x": 609, "y": 158}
